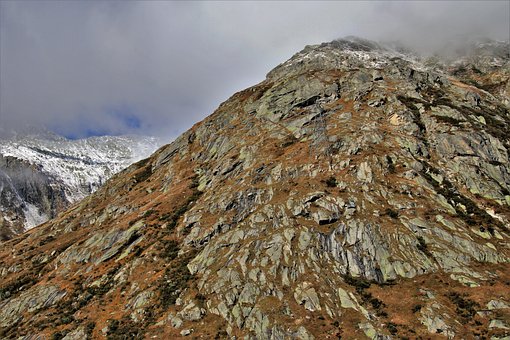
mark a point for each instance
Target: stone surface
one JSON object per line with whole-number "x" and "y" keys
{"x": 305, "y": 207}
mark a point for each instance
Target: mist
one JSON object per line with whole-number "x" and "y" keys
{"x": 83, "y": 68}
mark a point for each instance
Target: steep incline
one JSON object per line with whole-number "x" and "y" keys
{"x": 355, "y": 192}
{"x": 42, "y": 174}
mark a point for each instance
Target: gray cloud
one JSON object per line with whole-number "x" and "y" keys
{"x": 158, "y": 67}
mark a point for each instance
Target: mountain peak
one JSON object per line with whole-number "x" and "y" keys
{"x": 354, "y": 193}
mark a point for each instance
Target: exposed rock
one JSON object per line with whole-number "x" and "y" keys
{"x": 497, "y": 304}
{"x": 305, "y": 294}
{"x": 40, "y": 297}
{"x": 500, "y": 324}
{"x": 186, "y": 332}
{"x": 78, "y": 334}
{"x": 304, "y": 207}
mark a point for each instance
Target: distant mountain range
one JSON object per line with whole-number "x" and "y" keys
{"x": 42, "y": 173}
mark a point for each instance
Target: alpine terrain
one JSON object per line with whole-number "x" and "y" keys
{"x": 41, "y": 173}
{"x": 359, "y": 191}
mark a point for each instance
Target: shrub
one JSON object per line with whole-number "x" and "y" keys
{"x": 170, "y": 250}
{"x": 59, "y": 335}
{"x": 391, "y": 165}
{"x": 124, "y": 328}
{"x": 175, "y": 280}
{"x": 391, "y": 213}
{"x": 422, "y": 246}
{"x": 417, "y": 308}
{"x": 148, "y": 213}
{"x": 392, "y": 328}
{"x": 331, "y": 182}
{"x": 89, "y": 328}
{"x": 464, "y": 306}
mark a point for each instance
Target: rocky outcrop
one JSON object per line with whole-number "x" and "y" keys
{"x": 28, "y": 196}
{"x": 356, "y": 192}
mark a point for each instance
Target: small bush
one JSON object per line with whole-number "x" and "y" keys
{"x": 175, "y": 280}
{"x": 465, "y": 307}
{"x": 391, "y": 213}
{"x": 376, "y": 303}
{"x": 422, "y": 246}
{"x": 89, "y": 328}
{"x": 417, "y": 308}
{"x": 331, "y": 182}
{"x": 124, "y": 328}
{"x": 195, "y": 182}
{"x": 392, "y": 328}
{"x": 59, "y": 335}
{"x": 148, "y": 213}
{"x": 170, "y": 250}
{"x": 200, "y": 299}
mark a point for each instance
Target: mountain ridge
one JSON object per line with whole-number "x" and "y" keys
{"x": 341, "y": 197}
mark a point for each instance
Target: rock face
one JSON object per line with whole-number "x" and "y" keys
{"x": 42, "y": 174}
{"x": 356, "y": 192}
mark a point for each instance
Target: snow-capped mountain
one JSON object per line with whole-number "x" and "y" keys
{"x": 43, "y": 173}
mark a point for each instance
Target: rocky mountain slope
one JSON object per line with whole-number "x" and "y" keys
{"x": 41, "y": 173}
{"x": 357, "y": 192}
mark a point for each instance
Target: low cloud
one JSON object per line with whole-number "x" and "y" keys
{"x": 84, "y": 68}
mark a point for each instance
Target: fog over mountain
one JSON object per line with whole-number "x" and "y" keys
{"x": 93, "y": 68}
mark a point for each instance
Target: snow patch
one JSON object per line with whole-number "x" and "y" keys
{"x": 33, "y": 217}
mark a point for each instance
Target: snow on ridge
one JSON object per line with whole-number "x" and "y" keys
{"x": 83, "y": 165}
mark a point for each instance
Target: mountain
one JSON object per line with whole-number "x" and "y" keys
{"x": 41, "y": 173}
{"x": 357, "y": 192}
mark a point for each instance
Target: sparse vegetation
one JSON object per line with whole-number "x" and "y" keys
{"x": 17, "y": 285}
{"x": 148, "y": 213}
{"x": 466, "y": 209}
{"x": 122, "y": 329}
{"x": 391, "y": 165}
{"x": 422, "y": 246}
{"x": 361, "y": 285}
{"x": 465, "y": 307}
{"x": 392, "y": 327}
{"x": 173, "y": 218}
{"x": 170, "y": 250}
{"x": 416, "y": 308}
{"x": 331, "y": 182}
{"x": 106, "y": 285}
{"x": 175, "y": 280}
{"x": 391, "y": 213}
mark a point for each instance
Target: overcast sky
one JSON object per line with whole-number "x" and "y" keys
{"x": 104, "y": 67}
